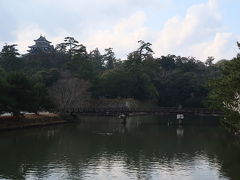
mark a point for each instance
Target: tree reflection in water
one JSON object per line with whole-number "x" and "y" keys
{"x": 105, "y": 149}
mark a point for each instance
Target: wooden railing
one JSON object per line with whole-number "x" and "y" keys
{"x": 166, "y": 110}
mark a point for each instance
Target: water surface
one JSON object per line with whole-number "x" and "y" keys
{"x": 98, "y": 148}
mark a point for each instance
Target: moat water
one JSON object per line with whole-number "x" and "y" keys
{"x": 105, "y": 149}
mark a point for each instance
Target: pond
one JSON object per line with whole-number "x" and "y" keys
{"x": 103, "y": 148}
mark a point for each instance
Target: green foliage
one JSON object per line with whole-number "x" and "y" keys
{"x": 181, "y": 81}
{"x": 71, "y": 47}
{"x": 8, "y": 58}
{"x": 3, "y": 90}
{"x": 81, "y": 68}
{"x": 97, "y": 61}
{"x": 142, "y": 53}
{"x": 144, "y": 50}
{"x": 209, "y": 61}
{"x": 170, "y": 80}
{"x": 9, "y": 51}
{"x": 129, "y": 79}
{"x": 109, "y": 58}
{"x": 225, "y": 92}
{"x": 19, "y": 93}
{"x": 41, "y": 99}
{"x": 48, "y": 77}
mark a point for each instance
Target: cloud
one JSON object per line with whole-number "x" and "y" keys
{"x": 74, "y": 16}
{"x": 199, "y": 34}
{"x": 122, "y": 37}
{"x": 27, "y": 19}
{"x": 222, "y": 46}
{"x": 26, "y": 35}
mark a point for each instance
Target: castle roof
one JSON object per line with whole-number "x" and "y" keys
{"x": 41, "y": 45}
{"x": 42, "y": 39}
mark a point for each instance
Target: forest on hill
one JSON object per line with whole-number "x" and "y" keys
{"x": 69, "y": 76}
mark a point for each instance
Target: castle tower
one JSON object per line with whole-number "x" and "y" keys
{"x": 41, "y": 45}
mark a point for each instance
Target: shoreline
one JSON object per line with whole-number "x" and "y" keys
{"x": 47, "y": 119}
{"x": 30, "y": 120}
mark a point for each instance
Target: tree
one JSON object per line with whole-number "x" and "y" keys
{"x": 69, "y": 93}
{"x": 61, "y": 48}
{"x": 238, "y": 44}
{"x": 143, "y": 52}
{"x": 132, "y": 73}
{"x": 225, "y": 93}
{"x": 167, "y": 62}
{"x": 145, "y": 49}
{"x": 109, "y": 58}
{"x": 8, "y": 58}
{"x": 80, "y": 52}
{"x": 69, "y": 46}
{"x": 209, "y": 61}
{"x": 171, "y": 80}
{"x": 41, "y": 99}
{"x": 9, "y": 51}
{"x": 47, "y": 77}
{"x": 4, "y": 99}
{"x": 97, "y": 61}
{"x": 20, "y": 93}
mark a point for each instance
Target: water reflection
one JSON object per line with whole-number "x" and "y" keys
{"x": 180, "y": 131}
{"x": 142, "y": 149}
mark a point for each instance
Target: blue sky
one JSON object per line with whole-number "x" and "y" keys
{"x": 198, "y": 28}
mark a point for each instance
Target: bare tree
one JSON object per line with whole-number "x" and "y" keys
{"x": 70, "y": 93}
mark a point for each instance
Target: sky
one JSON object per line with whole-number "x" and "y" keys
{"x": 198, "y": 28}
